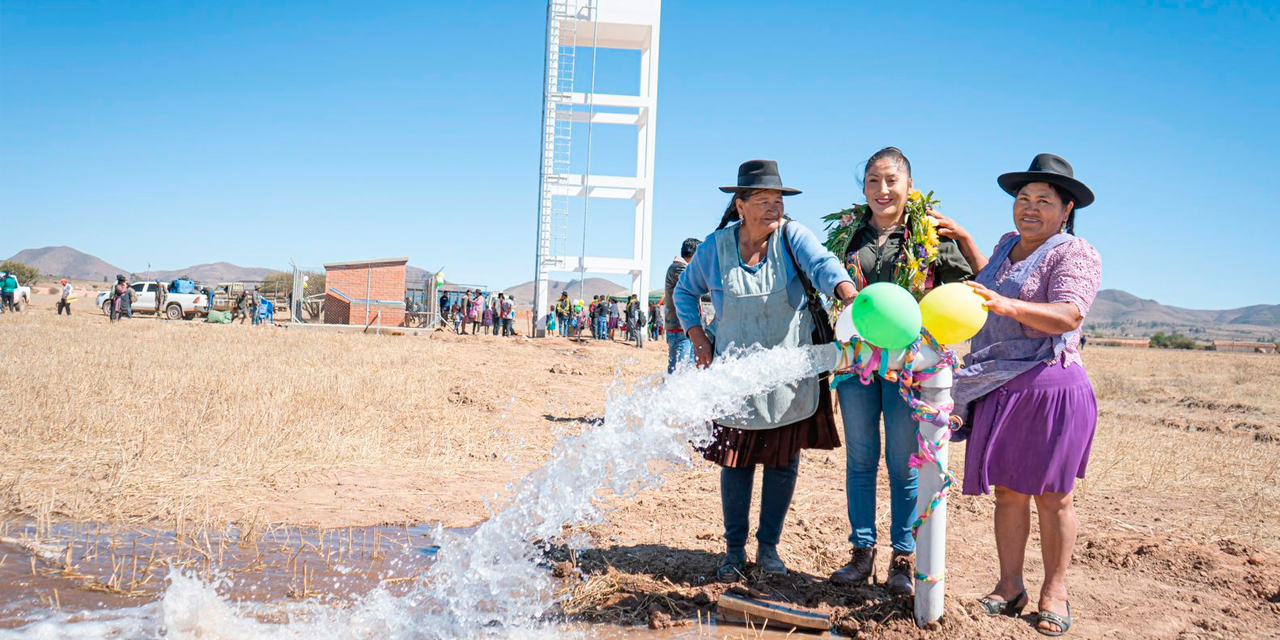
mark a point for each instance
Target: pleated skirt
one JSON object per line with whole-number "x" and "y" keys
{"x": 777, "y": 447}
{"x": 1034, "y": 434}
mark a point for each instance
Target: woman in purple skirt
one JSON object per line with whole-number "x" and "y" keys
{"x": 1033, "y": 411}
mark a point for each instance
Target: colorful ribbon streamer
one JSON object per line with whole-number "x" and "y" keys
{"x": 909, "y": 385}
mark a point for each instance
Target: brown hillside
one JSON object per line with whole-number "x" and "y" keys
{"x": 215, "y": 272}
{"x": 68, "y": 262}
{"x": 1118, "y": 312}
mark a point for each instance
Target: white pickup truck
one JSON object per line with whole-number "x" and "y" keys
{"x": 21, "y": 297}
{"x": 176, "y": 305}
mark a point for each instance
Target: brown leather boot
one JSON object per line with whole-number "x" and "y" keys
{"x": 902, "y": 571}
{"x": 861, "y": 565}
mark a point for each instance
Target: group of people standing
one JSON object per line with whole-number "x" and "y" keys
{"x": 603, "y": 317}
{"x": 484, "y": 314}
{"x": 249, "y": 304}
{"x": 1028, "y": 406}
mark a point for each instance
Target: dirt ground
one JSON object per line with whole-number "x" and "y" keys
{"x": 185, "y": 424}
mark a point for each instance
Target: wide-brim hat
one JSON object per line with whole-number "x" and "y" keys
{"x": 759, "y": 174}
{"x": 1046, "y": 167}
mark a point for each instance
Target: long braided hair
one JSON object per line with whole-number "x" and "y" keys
{"x": 731, "y": 212}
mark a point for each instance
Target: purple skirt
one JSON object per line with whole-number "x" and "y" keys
{"x": 1032, "y": 435}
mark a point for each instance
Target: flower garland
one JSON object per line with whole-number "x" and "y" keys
{"x": 920, "y": 241}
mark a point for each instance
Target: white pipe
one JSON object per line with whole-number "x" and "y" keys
{"x": 931, "y": 542}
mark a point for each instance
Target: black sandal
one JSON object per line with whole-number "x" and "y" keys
{"x": 1064, "y": 623}
{"x": 1005, "y": 607}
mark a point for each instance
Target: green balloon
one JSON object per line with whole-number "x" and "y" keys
{"x": 887, "y": 316}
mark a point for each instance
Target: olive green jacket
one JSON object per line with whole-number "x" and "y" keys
{"x": 878, "y": 263}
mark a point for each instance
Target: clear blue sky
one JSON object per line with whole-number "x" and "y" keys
{"x": 175, "y": 133}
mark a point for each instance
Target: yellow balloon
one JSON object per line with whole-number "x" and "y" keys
{"x": 953, "y": 313}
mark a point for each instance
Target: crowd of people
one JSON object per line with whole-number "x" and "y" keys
{"x": 483, "y": 314}
{"x": 604, "y": 319}
{"x": 1024, "y": 396}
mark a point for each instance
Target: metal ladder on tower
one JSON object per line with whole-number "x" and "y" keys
{"x": 558, "y": 135}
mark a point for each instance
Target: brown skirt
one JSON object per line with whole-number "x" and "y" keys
{"x": 777, "y": 447}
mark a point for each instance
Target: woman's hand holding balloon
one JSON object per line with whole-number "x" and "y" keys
{"x": 996, "y": 303}
{"x": 953, "y": 313}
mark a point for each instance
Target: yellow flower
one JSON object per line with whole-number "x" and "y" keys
{"x": 915, "y": 196}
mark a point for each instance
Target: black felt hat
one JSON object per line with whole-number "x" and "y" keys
{"x": 760, "y": 174}
{"x": 1047, "y": 167}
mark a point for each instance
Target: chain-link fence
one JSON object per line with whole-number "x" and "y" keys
{"x": 422, "y": 308}
{"x": 305, "y": 301}
{"x": 365, "y": 293}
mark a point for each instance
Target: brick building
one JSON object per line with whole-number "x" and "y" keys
{"x": 1138, "y": 343}
{"x": 355, "y": 292}
{"x": 1240, "y": 346}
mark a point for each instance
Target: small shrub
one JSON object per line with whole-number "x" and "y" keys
{"x": 26, "y": 274}
{"x": 1161, "y": 340}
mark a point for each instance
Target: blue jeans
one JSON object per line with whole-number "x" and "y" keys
{"x": 562, "y": 322}
{"x": 679, "y": 349}
{"x": 861, "y": 407}
{"x": 602, "y": 328}
{"x": 777, "y": 487}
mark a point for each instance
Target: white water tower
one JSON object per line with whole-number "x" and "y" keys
{"x": 576, "y": 30}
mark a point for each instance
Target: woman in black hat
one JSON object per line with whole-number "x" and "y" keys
{"x": 1033, "y": 410}
{"x": 761, "y": 272}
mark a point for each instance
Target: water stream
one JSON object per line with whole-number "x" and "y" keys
{"x": 417, "y": 583}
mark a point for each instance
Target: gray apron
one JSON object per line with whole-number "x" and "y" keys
{"x": 755, "y": 310}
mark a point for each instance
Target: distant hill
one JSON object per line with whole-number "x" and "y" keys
{"x": 213, "y": 272}
{"x": 69, "y": 263}
{"x": 590, "y": 287}
{"x": 1121, "y": 313}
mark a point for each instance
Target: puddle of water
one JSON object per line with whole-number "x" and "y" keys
{"x": 77, "y": 568}
{"x": 492, "y": 581}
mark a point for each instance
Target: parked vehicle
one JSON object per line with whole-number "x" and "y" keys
{"x": 176, "y": 305}
{"x": 21, "y": 297}
{"x": 226, "y": 293}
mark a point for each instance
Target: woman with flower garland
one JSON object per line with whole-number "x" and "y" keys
{"x": 1033, "y": 408}
{"x": 892, "y": 238}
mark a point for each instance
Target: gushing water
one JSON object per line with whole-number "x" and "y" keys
{"x": 493, "y": 577}
{"x": 491, "y": 581}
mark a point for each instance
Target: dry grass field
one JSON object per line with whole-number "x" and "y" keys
{"x": 182, "y": 424}
{"x": 149, "y": 420}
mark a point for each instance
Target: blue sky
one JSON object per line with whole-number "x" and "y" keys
{"x": 174, "y": 133}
